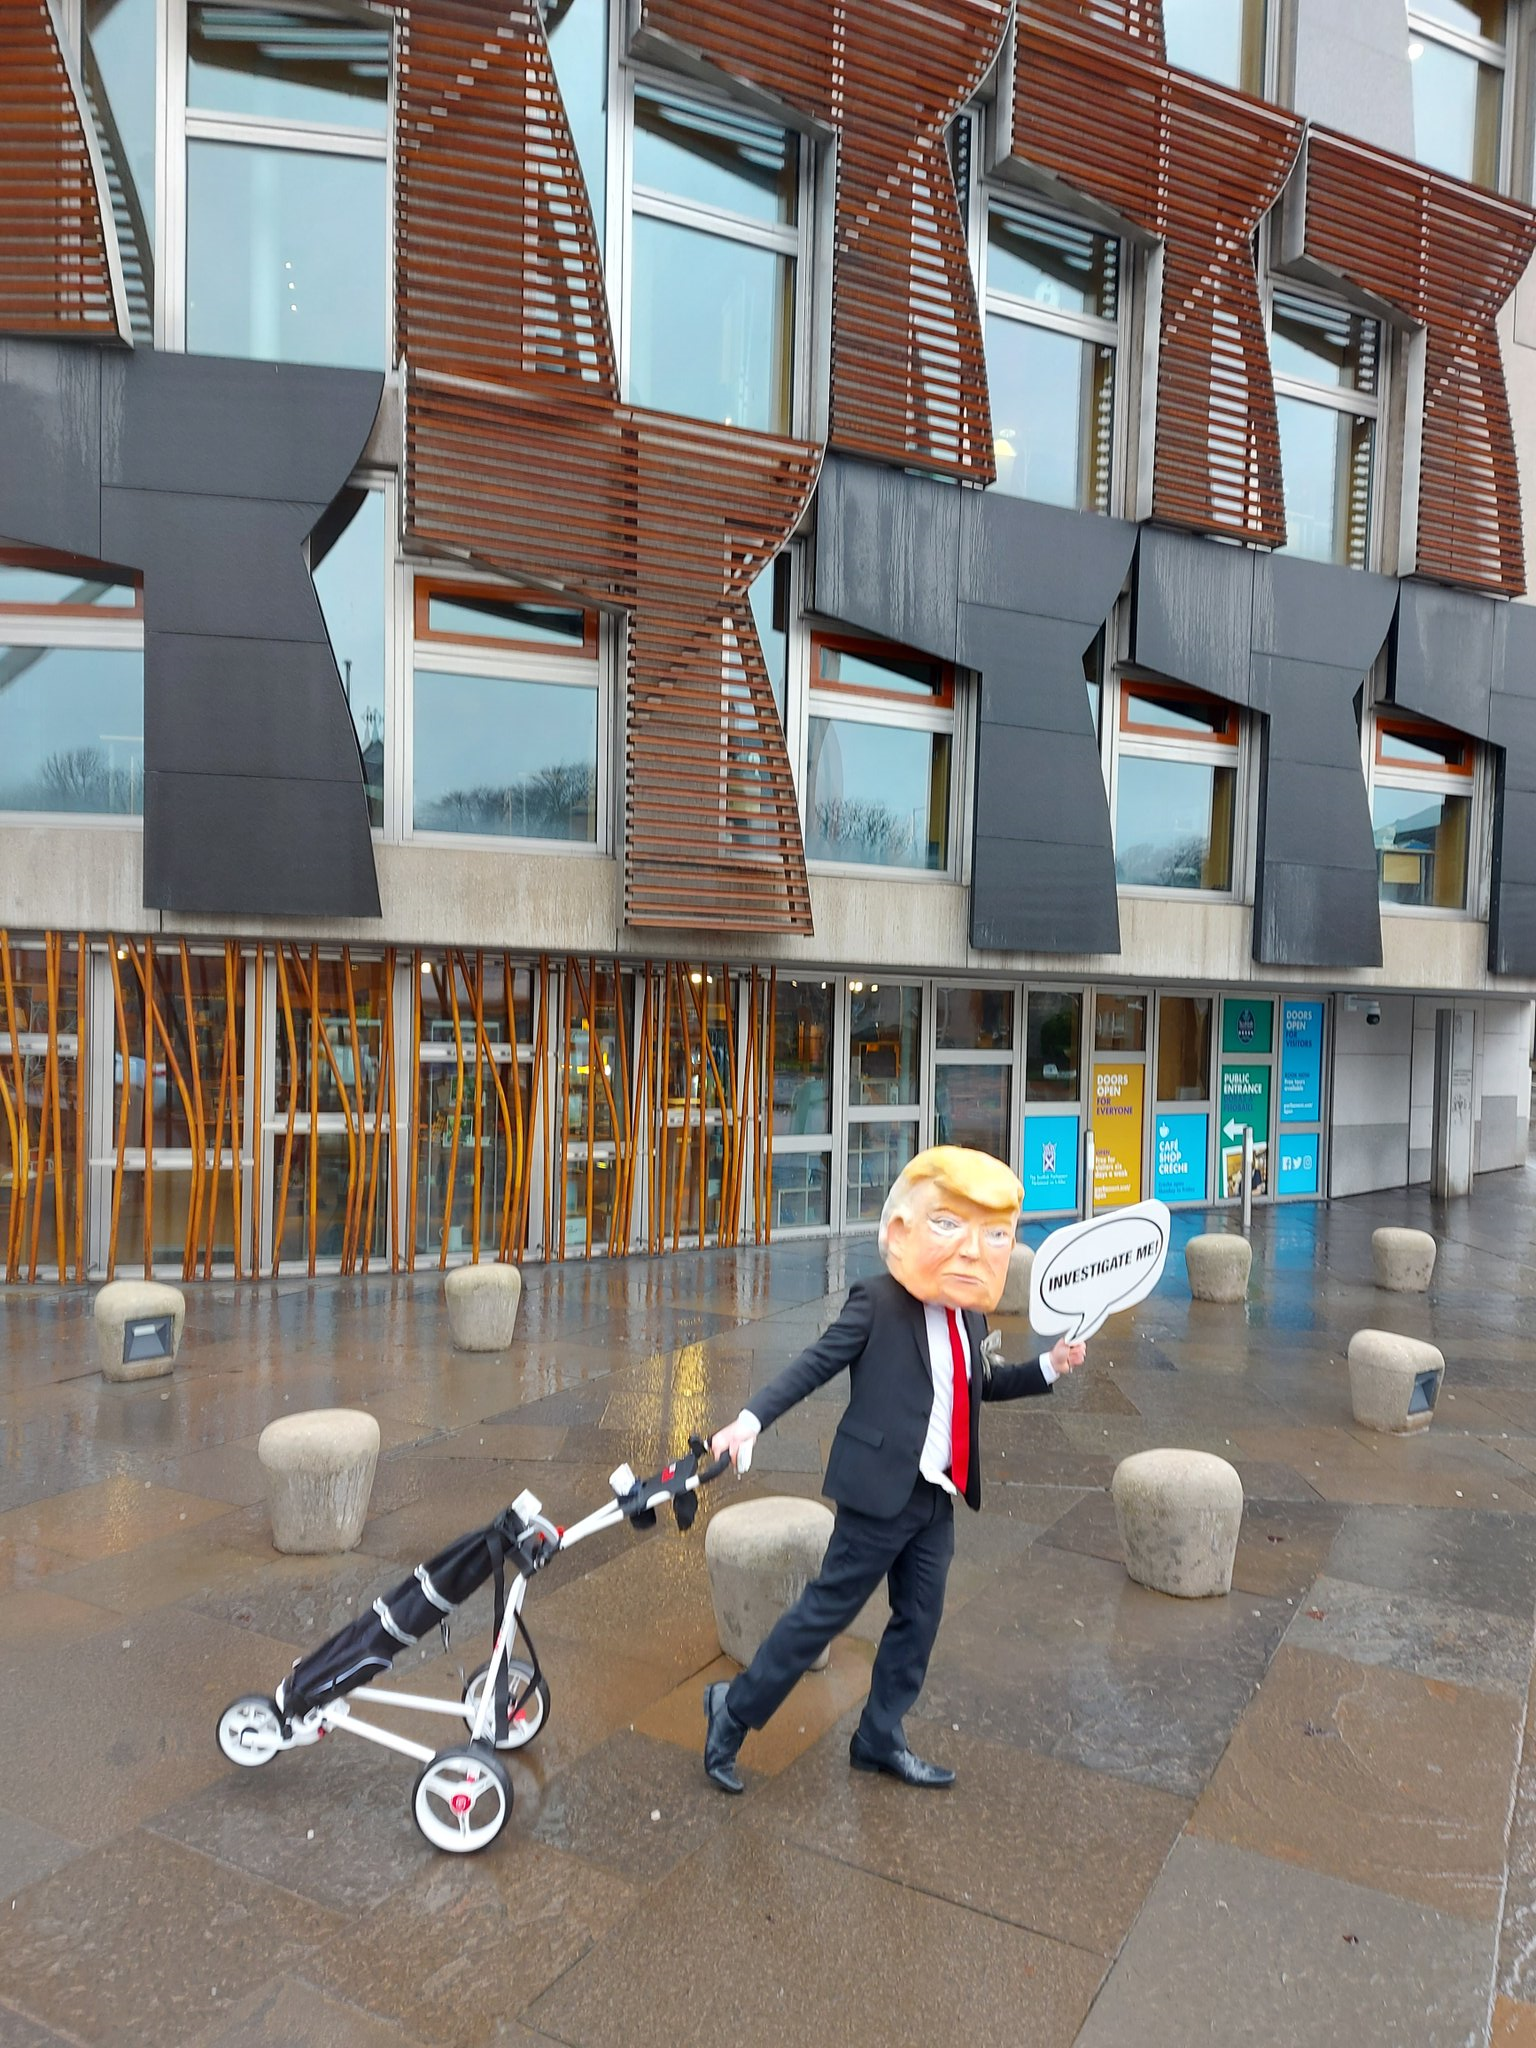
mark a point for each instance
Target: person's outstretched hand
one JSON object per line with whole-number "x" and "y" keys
{"x": 1067, "y": 1357}
{"x": 736, "y": 1441}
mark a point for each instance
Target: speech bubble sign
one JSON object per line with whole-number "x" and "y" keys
{"x": 1085, "y": 1272}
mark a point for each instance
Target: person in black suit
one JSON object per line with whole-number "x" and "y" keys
{"x": 912, "y": 1342}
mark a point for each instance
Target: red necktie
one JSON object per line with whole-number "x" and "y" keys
{"x": 960, "y": 1412}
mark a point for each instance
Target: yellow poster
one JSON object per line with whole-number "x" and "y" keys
{"x": 1117, "y": 1106}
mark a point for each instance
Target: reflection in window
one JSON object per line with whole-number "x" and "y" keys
{"x": 972, "y": 1105}
{"x": 884, "y": 1044}
{"x": 877, "y": 1152}
{"x": 878, "y": 796}
{"x": 287, "y": 67}
{"x": 72, "y": 730}
{"x": 349, "y": 578}
{"x": 120, "y": 61}
{"x": 578, "y": 47}
{"x": 1326, "y": 365}
{"x": 973, "y": 1019}
{"x": 713, "y": 327}
{"x": 802, "y": 1059}
{"x": 1421, "y": 846}
{"x": 1052, "y": 312}
{"x": 1053, "y": 1046}
{"x": 1119, "y": 1022}
{"x": 31, "y": 580}
{"x": 1173, "y": 824}
{"x": 1458, "y": 57}
{"x": 715, "y": 241}
{"x": 285, "y": 255}
{"x": 505, "y": 758}
{"x": 1218, "y": 39}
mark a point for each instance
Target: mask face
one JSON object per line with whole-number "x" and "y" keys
{"x": 950, "y": 1250}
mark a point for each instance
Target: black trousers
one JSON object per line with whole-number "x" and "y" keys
{"x": 912, "y": 1552}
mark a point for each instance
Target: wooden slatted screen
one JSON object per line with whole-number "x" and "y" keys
{"x": 1447, "y": 255}
{"x": 520, "y": 456}
{"x": 909, "y": 380}
{"x": 56, "y": 265}
{"x": 1197, "y": 166}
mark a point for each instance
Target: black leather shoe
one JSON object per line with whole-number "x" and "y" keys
{"x": 901, "y": 1763}
{"x": 723, "y": 1736}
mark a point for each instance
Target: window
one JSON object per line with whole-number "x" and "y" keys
{"x": 1052, "y": 301}
{"x": 71, "y": 687}
{"x": 1219, "y": 39}
{"x": 508, "y": 725}
{"x": 715, "y": 239}
{"x": 802, "y": 1105}
{"x": 350, "y": 571}
{"x": 879, "y": 745}
{"x": 1458, "y": 55}
{"x": 973, "y": 1069}
{"x": 578, "y": 48}
{"x": 885, "y": 1037}
{"x": 1423, "y": 787}
{"x": 120, "y": 61}
{"x": 286, "y": 195}
{"x": 1175, "y": 788}
{"x": 1326, "y": 363}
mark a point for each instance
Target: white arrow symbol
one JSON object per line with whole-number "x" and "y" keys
{"x": 1234, "y": 1129}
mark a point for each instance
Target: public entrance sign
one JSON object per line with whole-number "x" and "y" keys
{"x": 1118, "y": 1098}
{"x": 1180, "y": 1148}
{"x": 1084, "y": 1272}
{"x": 1244, "y": 1105}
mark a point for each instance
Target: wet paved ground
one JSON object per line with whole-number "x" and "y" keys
{"x": 1297, "y": 1815}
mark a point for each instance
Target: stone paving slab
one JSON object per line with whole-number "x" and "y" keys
{"x": 765, "y": 1945}
{"x": 1232, "y": 1947}
{"x": 1445, "y": 1639}
{"x": 1369, "y": 1774}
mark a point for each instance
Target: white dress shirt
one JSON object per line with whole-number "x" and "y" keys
{"x": 939, "y": 1442}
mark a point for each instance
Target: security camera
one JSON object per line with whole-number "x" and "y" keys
{"x": 1373, "y": 1013}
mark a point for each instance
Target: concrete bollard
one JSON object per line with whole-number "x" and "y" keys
{"x": 319, "y": 1469}
{"x": 1015, "y": 1295}
{"x": 1404, "y": 1259}
{"x": 132, "y": 1338}
{"x": 1178, "y": 1513}
{"x": 1218, "y": 1265}
{"x": 761, "y": 1555}
{"x": 482, "y": 1305}
{"x": 1394, "y": 1382}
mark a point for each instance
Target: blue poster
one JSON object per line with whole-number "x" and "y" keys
{"x": 1050, "y": 1163}
{"x": 1178, "y": 1173}
{"x": 1298, "y": 1163}
{"x": 1301, "y": 1063}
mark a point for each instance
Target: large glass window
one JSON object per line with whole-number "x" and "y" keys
{"x": 714, "y": 248}
{"x": 802, "y": 1104}
{"x": 350, "y": 576}
{"x": 120, "y": 59}
{"x": 287, "y": 199}
{"x": 1219, "y": 39}
{"x": 578, "y": 47}
{"x": 1176, "y": 773}
{"x": 507, "y": 734}
{"x": 879, "y": 744}
{"x": 1052, "y": 334}
{"x": 885, "y": 1038}
{"x": 973, "y": 1069}
{"x": 1423, "y": 787}
{"x": 1459, "y": 55}
{"x": 71, "y": 687}
{"x": 1326, "y": 365}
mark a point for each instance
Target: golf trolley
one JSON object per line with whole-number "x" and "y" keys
{"x": 462, "y": 1796}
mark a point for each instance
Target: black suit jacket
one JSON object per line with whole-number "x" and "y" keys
{"x": 881, "y": 1337}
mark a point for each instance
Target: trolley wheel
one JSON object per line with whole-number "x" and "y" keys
{"x": 250, "y": 1731}
{"x": 462, "y": 1800}
{"x": 529, "y": 1702}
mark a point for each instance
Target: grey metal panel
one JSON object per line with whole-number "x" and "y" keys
{"x": 1338, "y": 923}
{"x": 1512, "y": 929}
{"x": 207, "y": 476}
{"x": 1515, "y": 848}
{"x": 1366, "y": 1156}
{"x": 1352, "y": 70}
{"x": 50, "y": 439}
{"x": 888, "y": 554}
{"x": 1443, "y": 654}
{"x": 1069, "y": 897}
{"x": 1193, "y": 612}
{"x": 223, "y": 816}
{"x": 1293, "y": 641}
{"x": 1017, "y": 592}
